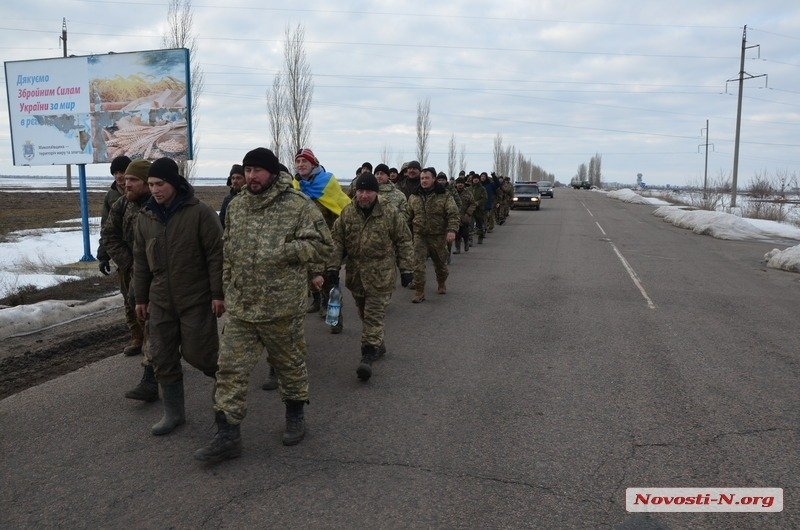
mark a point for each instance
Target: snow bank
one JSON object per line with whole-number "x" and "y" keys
{"x": 36, "y": 317}
{"x": 716, "y": 224}
{"x": 628, "y": 195}
{"x": 788, "y": 259}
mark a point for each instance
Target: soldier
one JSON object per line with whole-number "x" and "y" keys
{"x": 466, "y": 210}
{"x": 117, "y": 189}
{"x": 508, "y": 195}
{"x": 410, "y": 182}
{"x": 322, "y": 187}
{"x": 441, "y": 180}
{"x": 118, "y": 238}
{"x": 479, "y": 193}
{"x": 393, "y": 175}
{"x": 273, "y": 237}
{"x": 434, "y": 223}
{"x": 373, "y": 240}
{"x": 236, "y": 182}
{"x": 177, "y": 281}
{"x": 490, "y": 185}
{"x": 388, "y": 193}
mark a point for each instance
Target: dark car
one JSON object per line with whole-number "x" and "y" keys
{"x": 526, "y": 195}
{"x": 545, "y": 188}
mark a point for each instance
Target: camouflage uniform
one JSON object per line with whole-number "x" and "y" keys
{"x": 433, "y": 214}
{"x": 479, "y": 193}
{"x": 466, "y": 210}
{"x": 390, "y": 195}
{"x": 508, "y": 195}
{"x": 271, "y": 242}
{"x": 118, "y": 238}
{"x": 372, "y": 247}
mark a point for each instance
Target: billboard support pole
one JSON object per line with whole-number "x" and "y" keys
{"x": 84, "y": 198}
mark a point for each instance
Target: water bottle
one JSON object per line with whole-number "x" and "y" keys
{"x": 334, "y": 306}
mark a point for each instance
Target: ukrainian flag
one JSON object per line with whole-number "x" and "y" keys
{"x": 325, "y": 189}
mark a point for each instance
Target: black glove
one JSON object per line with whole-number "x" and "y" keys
{"x": 105, "y": 267}
{"x": 332, "y": 277}
{"x": 406, "y": 278}
{"x": 493, "y": 174}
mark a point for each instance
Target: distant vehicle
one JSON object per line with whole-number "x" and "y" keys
{"x": 582, "y": 185}
{"x": 526, "y": 195}
{"x": 545, "y": 188}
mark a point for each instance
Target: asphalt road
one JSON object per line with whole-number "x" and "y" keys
{"x": 584, "y": 349}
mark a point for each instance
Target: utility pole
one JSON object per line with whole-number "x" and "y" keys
{"x": 741, "y": 78}
{"x": 64, "y": 42}
{"x": 705, "y": 173}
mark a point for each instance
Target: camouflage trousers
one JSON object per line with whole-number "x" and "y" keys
{"x": 241, "y": 348}
{"x": 489, "y": 216}
{"x": 192, "y": 334}
{"x": 372, "y": 312}
{"x": 126, "y": 288}
{"x": 436, "y": 248}
{"x": 480, "y": 222}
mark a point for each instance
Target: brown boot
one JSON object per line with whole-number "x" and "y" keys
{"x": 134, "y": 347}
{"x": 441, "y": 289}
{"x": 419, "y": 296}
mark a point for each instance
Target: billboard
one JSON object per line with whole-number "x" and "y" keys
{"x": 90, "y": 109}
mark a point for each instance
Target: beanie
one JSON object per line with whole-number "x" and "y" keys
{"x": 139, "y": 169}
{"x": 366, "y": 181}
{"x": 431, "y": 170}
{"x": 441, "y": 175}
{"x": 236, "y": 169}
{"x": 382, "y": 168}
{"x": 263, "y": 158}
{"x": 461, "y": 180}
{"x": 415, "y": 165}
{"x": 119, "y": 164}
{"x": 167, "y": 170}
{"x": 367, "y": 166}
{"x": 307, "y": 154}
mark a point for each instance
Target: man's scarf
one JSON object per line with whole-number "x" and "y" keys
{"x": 325, "y": 189}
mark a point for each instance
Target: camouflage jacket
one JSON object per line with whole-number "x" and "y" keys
{"x": 389, "y": 194}
{"x": 372, "y": 248}
{"x": 272, "y": 240}
{"x": 111, "y": 197}
{"x": 479, "y": 192}
{"x": 117, "y": 232}
{"x": 433, "y": 213}
{"x": 468, "y": 204}
{"x": 177, "y": 264}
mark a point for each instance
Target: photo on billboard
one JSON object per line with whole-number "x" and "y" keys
{"x": 91, "y": 109}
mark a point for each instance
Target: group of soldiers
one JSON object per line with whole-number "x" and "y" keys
{"x": 277, "y": 239}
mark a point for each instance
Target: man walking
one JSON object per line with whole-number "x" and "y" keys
{"x": 388, "y": 192}
{"x": 273, "y": 236}
{"x": 372, "y": 239}
{"x": 235, "y": 182}
{"x": 466, "y": 209}
{"x": 177, "y": 280}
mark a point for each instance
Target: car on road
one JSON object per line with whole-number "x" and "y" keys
{"x": 526, "y": 195}
{"x": 545, "y": 188}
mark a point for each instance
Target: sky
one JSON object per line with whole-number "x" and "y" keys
{"x": 632, "y": 81}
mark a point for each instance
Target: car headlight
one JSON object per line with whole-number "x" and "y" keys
{"x": 535, "y": 199}
{"x": 515, "y": 199}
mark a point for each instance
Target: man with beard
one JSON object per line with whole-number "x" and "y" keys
{"x": 177, "y": 281}
{"x": 235, "y": 181}
{"x": 274, "y": 235}
{"x": 410, "y": 183}
{"x": 118, "y": 238}
{"x": 373, "y": 240}
{"x": 434, "y": 223}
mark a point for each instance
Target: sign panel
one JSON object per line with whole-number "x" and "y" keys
{"x": 90, "y": 109}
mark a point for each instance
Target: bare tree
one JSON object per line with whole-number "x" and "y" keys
{"x": 386, "y": 154}
{"x": 462, "y": 158}
{"x": 423, "y": 130}
{"x": 498, "y": 151}
{"x": 451, "y": 156}
{"x": 179, "y": 34}
{"x": 299, "y": 86}
{"x": 276, "y": 114}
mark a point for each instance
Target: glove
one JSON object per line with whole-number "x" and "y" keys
{"x": 466, "y": 219}
{"x": 406, "y": 278}
{"x": 105, "y": 267}
{"x": 493, "y": 174}
{"x": 332, "y": 277}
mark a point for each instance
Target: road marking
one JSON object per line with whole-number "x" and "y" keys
{"x": 632, "y": 273}
{"x": 600, "y": 227}
{"x": 587, "y": 209}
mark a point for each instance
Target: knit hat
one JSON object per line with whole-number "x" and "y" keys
{"x": 367, "y": 166}
{"x": 139, "y": 169}
{"x": 414, "y": 164}
{"x": 461, "y": 180}
{"x": 236, "y": 169}
{"x": 308, "y": 154}
{"x": 167, "y": 170}
{"x": 119, "y": 164}
{"x": 431, "y": 170}
{"x": 441, "y": 175}
{"x": 382, "y": 168}
{"x": 263, "y": 158}
{"x": 366, "y": 181}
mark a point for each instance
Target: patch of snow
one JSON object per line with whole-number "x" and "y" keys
{"x": 628, "y": 195}
{"x": 716, "y": 224}
{"x": 36, "y": 317}
{"x": 787, "y": 259}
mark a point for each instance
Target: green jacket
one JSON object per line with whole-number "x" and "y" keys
{"x": 111, "y": 197}
{"x": 272, "y": 240}
{"x": 118, "y": 232}
{"x": 479, "y": 192}
{"x": 433, "y": 213}
{"x": 372, "y": 248}
{"x": 390, "y": 194}
{"x": 468, "y": 204}
{"x": 177, "y": 263}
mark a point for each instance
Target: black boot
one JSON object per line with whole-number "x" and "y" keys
{"x": 368, "y": 354}
{"x": 272, "y": 382}
{"x": 147, "y": 389}
{"x": 315, "y": 303}
{"x": 458, "y": 248}
{"x": 174, "y": 413}
{"x": 226, "y": 444}
{"x": 339, "y": 325}
{"x": 380, "y": 351}
{"x": 295, "y": 423}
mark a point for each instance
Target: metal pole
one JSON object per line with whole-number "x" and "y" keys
{"x": 84, "y": 199}
{"x": 705, "y": 174}
{"x": 738, "y": 122}
{"x": 64, "y": 41}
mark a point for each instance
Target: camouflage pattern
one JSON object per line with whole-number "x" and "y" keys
{"x": 433, "y": 214}
{"x": 271, "y": 240}
{"x": 111, "y": 197}
{"x": 390, "y": 194}
{"x": 242, "y": 345}
{"x": 372, "y": 311}
{"x": 434, "y": 247}
{"x": 480, "y": 214}
{"x": 466, "y": 212}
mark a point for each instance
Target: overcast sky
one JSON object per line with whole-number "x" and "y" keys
{"x": 633, "y": 81}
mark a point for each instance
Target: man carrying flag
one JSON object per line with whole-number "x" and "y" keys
{"x": 322, "y": 187}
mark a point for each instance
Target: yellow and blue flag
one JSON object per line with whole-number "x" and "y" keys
{"x": 325, "y": 189}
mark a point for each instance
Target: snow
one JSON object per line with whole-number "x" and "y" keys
{"x": 30, "y": 318}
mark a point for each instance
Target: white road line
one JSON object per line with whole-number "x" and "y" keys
{"x": 587, "y": 209}
{"x": 633, "y": 276}
{"x": 600, "y": 227}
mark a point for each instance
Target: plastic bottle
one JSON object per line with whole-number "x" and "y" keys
{"x": 334, "y": 306}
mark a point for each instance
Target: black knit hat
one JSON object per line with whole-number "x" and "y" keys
{"x": 431, "y": 170}
{"x": 441, "y": 175}
{"x": 414, "y": 164}
{"x": 366, "y": 181}
{"x": 381, "y": 168}
{"x": 119, "y": 164}
{"x": 167, "y": 170}
{"x": 461, "y": 180}
{"x": 263, "y": 158}
{"x": 236, "y": 169}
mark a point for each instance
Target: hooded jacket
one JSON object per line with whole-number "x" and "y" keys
{"x": 433, "y": 212}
